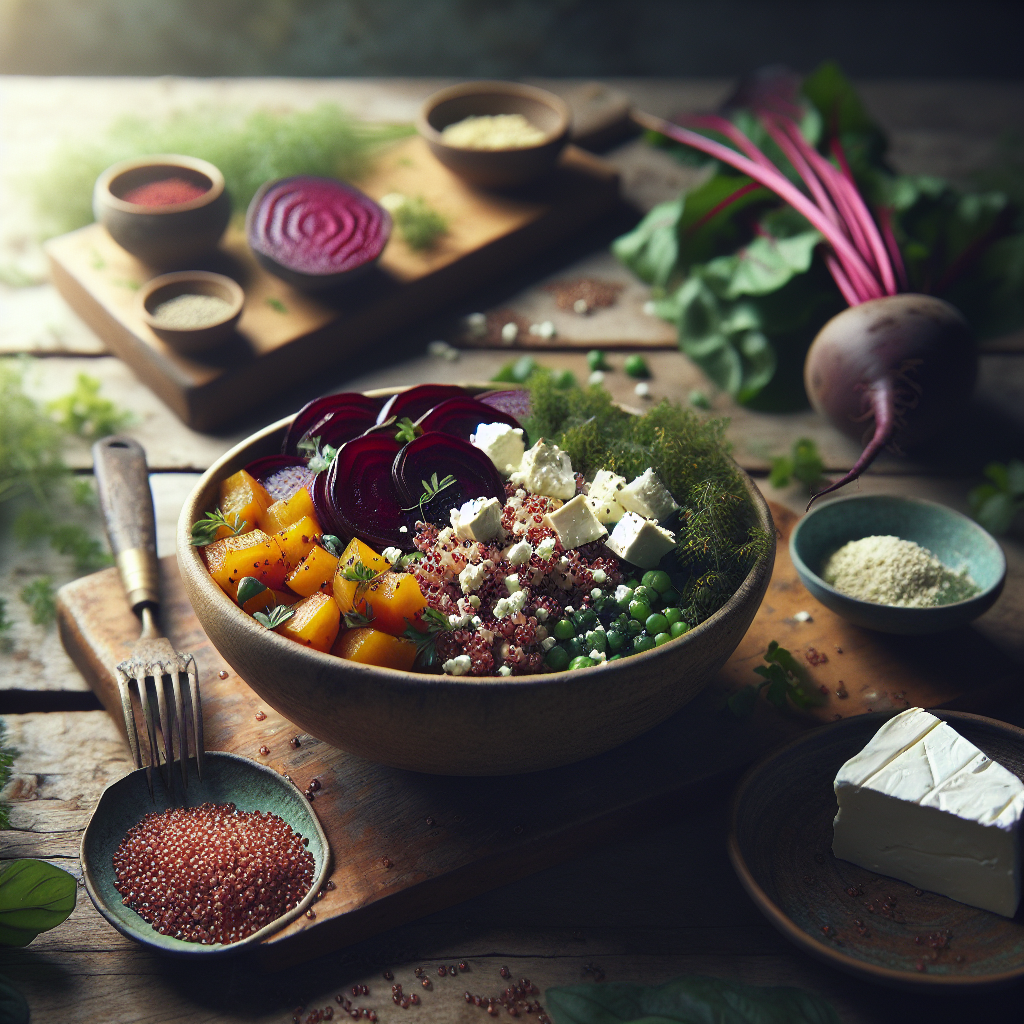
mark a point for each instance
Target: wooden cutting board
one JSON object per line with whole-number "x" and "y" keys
{"x": 286, "y": 336}
{"x": 450, "y": 838}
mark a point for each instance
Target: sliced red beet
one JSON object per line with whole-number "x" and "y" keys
{"x": 360, "y": 495}
{"x": 435, "y": 453}
{"x": 281, "y": 475}
{"x": 460, "y": 417}
{"x": 515, "y": 402}
{"x": 315, "y": 232}
{"x": 349, "y": 407}
{"x": 416, "y": 401}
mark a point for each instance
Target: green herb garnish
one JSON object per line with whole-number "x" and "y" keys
{"x": 277, "y": 305}
{"x": 997, "y": 504}
{"x": 426, "y": 642}
{"x": 785, "y": 679}
{"x": 407, "y": 430}
{"x": 319, "y": 458}
{"x": 431, "y": 489}
{"x": 356, "y": 620}
{"x": 275, "y": 616}
{"x": 419, "y": 224}
{"x": 84, "y": 413}
{"x": 332, "y": 545}
{"x": 40, "y": 595}
{"x": 358, "y": 573}
{"x": 805, "y": 464}
{"x": 205, "y": 531}
{"x": 248, "y": 588}
{"x": 34, "y": 897}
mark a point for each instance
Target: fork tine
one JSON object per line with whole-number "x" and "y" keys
{"x": 179, "y": 712}
{"x": 197, "y": 712}
{"x": 157, "y": 672}
{"x": 124, "y": 688}
{"x": 147, "y": 714}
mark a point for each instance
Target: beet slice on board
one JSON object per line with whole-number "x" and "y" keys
{"x": 460, "y": 417}
{"x": 349, "y": 407}
{"x": 473, "y": 475}
{"x": 414, "y": 402}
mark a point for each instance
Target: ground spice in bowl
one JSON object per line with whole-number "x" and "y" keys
{"x": 212, "y": 874}
{"x": 165, "y": 192}
{"x": 190, "y": 311}
{"x": 892, "y": 571}
{"x": 493, "y": 131}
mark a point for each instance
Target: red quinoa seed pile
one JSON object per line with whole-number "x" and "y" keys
{"x": 165, "y": 192}
{"x": 212, "y": 874}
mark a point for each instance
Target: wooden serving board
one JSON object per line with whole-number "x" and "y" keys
{"x": 450, "y": 838}
{"x": 286, "y": 336}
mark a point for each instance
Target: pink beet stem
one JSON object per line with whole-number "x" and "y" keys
{"x": 835, "y": 268}
{"x": 885, "y": 225}
{"x": 772, "y": 179}
{"x": 728, "y": 201}
{"x": 883, "y": 401}
{"x": 722, "y": 125}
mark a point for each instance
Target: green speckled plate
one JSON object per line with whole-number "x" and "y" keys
{"x": 780, "y": 844}
{"x": 954, "y": 539}
{"x": 227, "y": 778}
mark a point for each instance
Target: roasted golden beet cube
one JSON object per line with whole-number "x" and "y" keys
{"x": 372, "y": 647}
{"x": 286, "y": 511}
{"x": 350, "y": 593}
{"x": 298, "y": 540}
{"x": 314, "y": 572}
{"x": 397, "y": 602}
{"x": 244, "y": 496}
{"x": 248, "y": 554}
{"x": 315, "y": 622}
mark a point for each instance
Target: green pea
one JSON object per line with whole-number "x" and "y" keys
{"x": 634, "y": 627}
{"x": 657, "y": 579}
{"x": 662, "y": 638}
{"x": 615, "y": 639}
{"x": 679, "y": 628}
{"x": 643, "y": 643}
{"x": 597, "y": 640}
{"x": 586, "y": 619}
{"x": 636, "y": 366}
{"x": 673, "y": 614}
{"x": 596, "y": 360}
{"x": 574, "y": 647}
{"x": 581, "y": 662}
{"x": 640, "y": 610}
{"x": 564, "y": 380}
{"x": 656, "y": 624}
{"x": 632, "y": 584}
{"x": 563, "y": 630}
{"x": 557, "y": 659}
{"x": 623, "y": 602}
{"x": 648, "y": 594}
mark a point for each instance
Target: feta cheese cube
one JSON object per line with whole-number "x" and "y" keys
{"x": 512, "y": 583}
{"x": 479, "y": 519}
{"x": 603, "y": 496}
{"x": 640, "y": 541}
{"x": 575, "y": 523}
{"x": 458, "y": 666}
{"x": 546, "y": 470}
{"x": 471, "y": 577}
{"x": 546, "y": 548}
{"x": 502, "y": 444}
{"x": 504, "y": 670}
{"x": 521, "y": 553}
{"x": 647, "y": 496}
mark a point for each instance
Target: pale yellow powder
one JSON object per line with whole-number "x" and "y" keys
{"x": 492, "y": 131}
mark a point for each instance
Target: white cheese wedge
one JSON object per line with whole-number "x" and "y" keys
{"x": 575, "y": 523}
{"x": 546, "y": 470}
{"x": 603, "y": 496}
{"x": 471, "y": 577}
{"x": 478, "y": 519}
{"x": 641, "y": 541}
{"x": 647, "y": 496}
{"x": 502, "y": 444}
{"x": 922, "y": 804}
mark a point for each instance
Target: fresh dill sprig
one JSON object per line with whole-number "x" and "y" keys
{"x": 275, "y": 616}
{"x": 205, "y": 531}
{"x": 407, "y": 430}
{"x": 431, "y": 489}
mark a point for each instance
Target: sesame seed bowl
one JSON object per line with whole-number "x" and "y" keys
{"x": 227, "y": 778}
{"x": 451, "y": 724}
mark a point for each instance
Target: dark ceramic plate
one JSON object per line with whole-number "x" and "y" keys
{"x": 227, "y": 778}
{"x": 780, "y": 844}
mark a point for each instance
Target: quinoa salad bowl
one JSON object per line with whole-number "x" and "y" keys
{"x": 518, "y": 709}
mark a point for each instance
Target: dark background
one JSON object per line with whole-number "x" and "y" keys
{"x": 511, "y": 38}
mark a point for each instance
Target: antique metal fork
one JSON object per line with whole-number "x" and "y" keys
{"x": 155, "y": 668}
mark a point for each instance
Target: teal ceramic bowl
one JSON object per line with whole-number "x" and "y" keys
{"x": 227, "y": 778}
{"x": 954, "y": 539}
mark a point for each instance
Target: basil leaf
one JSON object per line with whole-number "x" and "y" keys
{"x": 34, "y": 897}
{"x": 248, "y": 588}
{"x": 13, "y": 1006}
{"x": 692, "y": 1000}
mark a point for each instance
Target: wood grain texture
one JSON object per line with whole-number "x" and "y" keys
{"x": 449, "y": 838}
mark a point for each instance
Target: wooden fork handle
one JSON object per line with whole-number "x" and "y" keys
{"x": 122, "y": 479}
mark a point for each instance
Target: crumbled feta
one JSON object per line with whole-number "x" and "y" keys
{"x": 575, "y": 523}
{"x": 458, "y": 621}
{"x": 547, "y": 643}
{"x": 580, "y": 306}
{"x": 596, "y": 593}
{"x": 511, "y": 605}
{"x": 512, "y": 583}
{"x": 458, "y": 666}
{"x": 603, "y": 496}
{"x": 647, "y": 496}
{"x": 541, "y": 614}
{"x": 621, "y": 591}
{"x": 569, "y": 609}
{"x": 479, "y": 519}
{"x": 521, "y": 553}
{"x": 640, "y": 541}
{"x": 600, "y": 576}
{"x": 474, "y": 600}
{"x": 546, "y": 548}
{"x": 596, "y": 377}
{"x": 509, "y": 333}
{"x": 502, "y": 444}
{"x": 803, "y": 617}
{"x": 642, "y": 390}
{"x": 540, "y": 633}
{"x": 391, "y": 555}
{"x": 403, "y": 529}
{"x": 471, "y": 577}
{"x": 504, "y": 670}
{"x": 546, "y": 470}
{"x": 545, "y": 330}
{"x": 598, "y": 656}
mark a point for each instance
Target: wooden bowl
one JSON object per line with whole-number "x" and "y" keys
{"x": 780, "y": 844}
{"x": 458, "y": 725}
{"x": 496, "y": 168}
{"x": 192, "y": 282}
{"x": 163, "y": 236}
{"x": 952, "y": 537}
{"x": 227, "y": 778}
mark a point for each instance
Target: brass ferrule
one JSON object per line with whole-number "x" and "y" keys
{"x": 140, "y": 576}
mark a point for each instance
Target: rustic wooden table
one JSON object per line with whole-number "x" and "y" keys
{"x": 651, "y": 907}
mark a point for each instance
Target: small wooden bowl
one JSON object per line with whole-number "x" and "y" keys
{"x": 953, "y": 538}
{"x": 780, "y": 845}
{"x": 458, "y": 725}
{"x": 227, "y": 778}
{"x": 191, "y": 282}
{"x": 163, "y": 236}
{"x": 496, "y": 168}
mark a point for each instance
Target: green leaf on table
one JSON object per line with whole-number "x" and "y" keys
{"x": 690, "y": 1000}
{"x": 84, "y": 413}
{"x": 41, "y": 597}
{"x": 34, "y": 897}
{"x": 995, "y": 505}
{"x": 13, "y": 1006}
{"x": 804, "y": 464}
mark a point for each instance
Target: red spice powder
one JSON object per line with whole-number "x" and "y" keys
{"x": 212, "y": 874}
{"x": 165, "y": 192}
